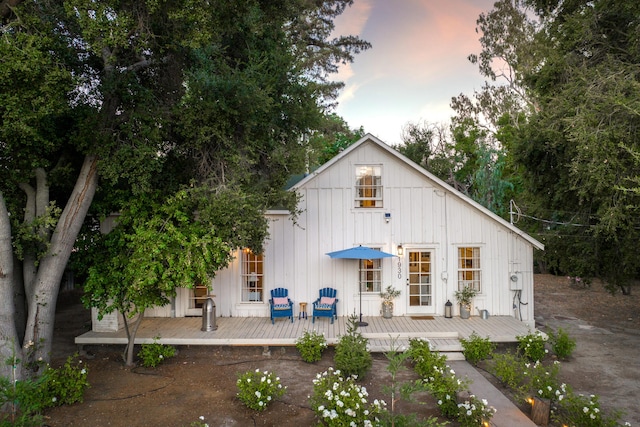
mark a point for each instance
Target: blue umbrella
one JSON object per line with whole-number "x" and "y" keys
{"x": 360, "y": 252}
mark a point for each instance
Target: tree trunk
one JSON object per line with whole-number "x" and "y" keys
{"x": 42, "y": 303}
{"x": 132, "y": 338}
{"x": 10, "y": 348}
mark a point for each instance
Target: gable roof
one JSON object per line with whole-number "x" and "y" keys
{"x": 437, "y": 181}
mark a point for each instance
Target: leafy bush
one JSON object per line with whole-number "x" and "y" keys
{"x": 438, "y": 376}
{"x": 532, "y": 346}
{"x": 561, "y": 344}
{"x": 404, "y": 390}
{"x": 155, "y": 353}
{"x": 424, "y": 358}
{"x": 509, "y": 369}
{"x": 584, "y": 411}
{"x": 65, "y": 385}
{"x": 339, "y": 401}
{"x": 476, "y": 348}
{"x": 55, "y": 387}
{"x": 543, "y": 381}
{"x": 258, "y": 389}
{"x": 23, "y": 406}
{"x": 311, "y": 345}
{"x": 352, "y": 356}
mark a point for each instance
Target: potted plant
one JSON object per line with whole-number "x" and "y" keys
{"x": 388, "y": 295}
{"x": 464, "y": 298}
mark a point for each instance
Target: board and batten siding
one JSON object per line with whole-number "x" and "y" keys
{"x": 425, "y": 215}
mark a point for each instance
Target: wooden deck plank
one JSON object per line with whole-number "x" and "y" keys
{"x": 259, "y": 331}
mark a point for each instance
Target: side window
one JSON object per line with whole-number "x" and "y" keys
{"x": 252, "y": 277}
{"x": 370, "y": 275}
{"x": 368, "y": 186}
{"x": 469, "y": 268}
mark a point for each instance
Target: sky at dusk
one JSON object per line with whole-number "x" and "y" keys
{"x": 418, "y": 62}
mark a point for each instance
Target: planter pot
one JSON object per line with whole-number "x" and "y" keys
{"x": 387, "y": 310}
{"x": 465, "y": 312}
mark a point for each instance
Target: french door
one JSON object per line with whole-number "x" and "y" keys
{"x": 420, "y": 281}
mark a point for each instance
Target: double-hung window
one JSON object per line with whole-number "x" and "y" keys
{"x": 252, "y": 277}
{"x": 368, "y": 186}
{"x": 469, "y": 268}
{"x": 370, "y": 273}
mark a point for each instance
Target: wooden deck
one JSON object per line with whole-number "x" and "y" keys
{"x": 443, "y": 333}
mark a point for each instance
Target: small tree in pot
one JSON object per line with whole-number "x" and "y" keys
{"x": 388, "y": 295}
{"x": 464, "y": 298}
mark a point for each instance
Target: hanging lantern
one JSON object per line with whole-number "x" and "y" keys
{"x": 447, "y": 309}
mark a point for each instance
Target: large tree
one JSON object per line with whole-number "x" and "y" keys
{"x": 580, "y": 148}
{"x": 153, "y": 98}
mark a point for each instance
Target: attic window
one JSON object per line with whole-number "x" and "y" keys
{"x": 368, "y": 186}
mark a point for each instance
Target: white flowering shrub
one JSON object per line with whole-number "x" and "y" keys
{"x": 543, "y": 381}
{"x": 532, "y": 346}
{"x": 474, "y": 412}
{"x": 340, "y": 402}
{"x": 65, "y": 385}
{"x": 578, "y": 410}
{"x": 259, "y": 389}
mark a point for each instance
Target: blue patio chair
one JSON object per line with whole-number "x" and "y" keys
{"x": 325, "y": 305}
{"x": 280, "y": 304}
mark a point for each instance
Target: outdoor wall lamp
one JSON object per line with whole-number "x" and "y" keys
{"x": 400, "y": 250}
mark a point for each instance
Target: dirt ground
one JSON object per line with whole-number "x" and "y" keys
{"x": 200, "y": 381}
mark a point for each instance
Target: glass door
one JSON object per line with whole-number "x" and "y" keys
{"x": 420, "y": 281}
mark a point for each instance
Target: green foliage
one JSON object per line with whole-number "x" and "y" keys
{"x": 528, "y": 379}
{"x": 22, "y": 404}
{"x": 54, "y": 387}
{"x": 397, "y": 362}
{"x": 584, "y": 411}
{"x": 542, "y": 380}
{"x": 155, "y": 353}
{"x": 532, "y": 346}
{"x": 465, "y": 295}
{"x": 67, "y": 384}
{"x": 476, "y": 348}
{"x": 259, "y": 389}
{"x": 438, "y": 376}
{"x": 562, "y": 344}
{"x": 311, "y": 345}
{"x": 474, "y": 412}
{"x": 352, "y": 356}
{"x": 509, "y": 369}
{"x": 339, "y": 402}
{"x": 424, "y": 358}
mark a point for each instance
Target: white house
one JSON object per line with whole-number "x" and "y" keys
{"x": 371, "y": 195}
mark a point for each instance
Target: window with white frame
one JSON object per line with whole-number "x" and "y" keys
{"x": 469, "y": 268}
{"x": 252, "y": 277}
{"x": 368, "y": 186}
{"x": 370, "y": 275}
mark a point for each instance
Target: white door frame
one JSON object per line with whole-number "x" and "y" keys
{"x": 420, "y": 286}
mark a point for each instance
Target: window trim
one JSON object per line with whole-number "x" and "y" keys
{"x": 375, "y": 271}
{"x": 252, "y": 277}
{"x": 361, "y": 201}
{"x": 475, "y": 271}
